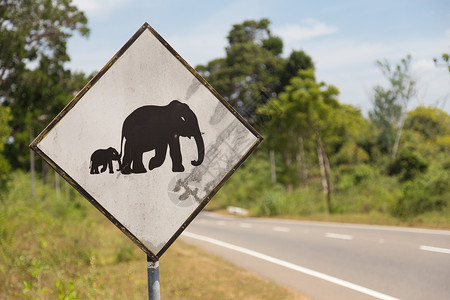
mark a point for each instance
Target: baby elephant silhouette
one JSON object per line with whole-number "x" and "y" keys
{"x": 104, "y": 158}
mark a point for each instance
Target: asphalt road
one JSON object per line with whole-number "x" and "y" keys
{"x": 330, "y": 260}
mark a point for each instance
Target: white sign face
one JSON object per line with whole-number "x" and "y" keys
{"x": 147, "y": 141}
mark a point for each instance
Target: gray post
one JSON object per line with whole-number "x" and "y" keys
{"x": 153, "y": 279}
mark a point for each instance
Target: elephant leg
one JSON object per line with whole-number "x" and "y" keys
{"x": 158, "y": 159}
{"x": 138, "y": 165}
{"x": 126, "y": 162}
{"x": 105, "y": 165}
{"x": 93, "y": 167}
{"x": 110, "y": 167}
{"x": 175, "y": 155}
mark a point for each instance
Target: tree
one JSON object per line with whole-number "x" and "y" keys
{"x": 253, "y": 70}
{"x": 32, "y": 30}
{"x": 391, "y": 104}
{"x": 33, "y": 80}
{"x": 350, "y": 138}
{"x": 446, "y": 61}
{"x": 303, "y": 112}
{"x": 430, "y": 122}
{"x": 5, "y": 131}
{"x": 249, "y": 74}
{"x": 297, "y": 60}
{"x": 427, "y": 130}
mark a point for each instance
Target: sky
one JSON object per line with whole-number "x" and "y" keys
{"x": 344, "y": 38}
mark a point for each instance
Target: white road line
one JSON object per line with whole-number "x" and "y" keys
{"x": 245, "y": 225}
{"x": 338, "y": 236}
{"x": 291, "y": 266}
{"x": 434, "y": 249}
{"x": 281, "y": 229}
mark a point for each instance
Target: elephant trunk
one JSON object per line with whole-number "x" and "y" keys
{"x": 201, "y": 149}
{"x": 120, "y": 164}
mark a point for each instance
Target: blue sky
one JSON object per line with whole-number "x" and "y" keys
{"x": 344, "y": 38}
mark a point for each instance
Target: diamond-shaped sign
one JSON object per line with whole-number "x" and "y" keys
{"x": 147, "y": 141}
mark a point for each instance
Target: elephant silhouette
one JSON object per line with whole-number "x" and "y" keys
{"x": 157, "y": 128}
{"x": 104, "y": 158}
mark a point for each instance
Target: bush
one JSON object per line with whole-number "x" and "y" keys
{"x": 362, "y": 189}
{"x": 408, "y": 165}
{"x": 272, "y": 204}
{"x": 302, "y": 202}
{"x": 247, "y": 185}
{"x": 43, "y": 239}
{"x": 430, "y": 192}
{"x": 354, "y": 176}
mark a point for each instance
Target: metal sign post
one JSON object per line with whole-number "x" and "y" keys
{"x": 153, "y": 279}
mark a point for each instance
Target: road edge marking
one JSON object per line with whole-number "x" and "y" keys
{"x": 338, "y": 236}
{"x": 434, "y": 249}
{"x": 281, "y": 229}
{"x": 291, "y": 266}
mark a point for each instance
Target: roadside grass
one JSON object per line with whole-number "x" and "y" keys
{"x": 360, "y": 195}
{"x": 63, "y": 248}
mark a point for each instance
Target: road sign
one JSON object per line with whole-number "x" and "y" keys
{"x": 147, "y": 141}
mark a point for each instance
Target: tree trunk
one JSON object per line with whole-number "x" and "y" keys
{"x": 328, "y": 178}
{"x": 302, "y": 171}
{"x": 289, "y": 187}
{"x": 273, "y": 167}
{"x": 325, "y": 169}
{"x": 321, "y": 166}
{"x": 397, "y": 139}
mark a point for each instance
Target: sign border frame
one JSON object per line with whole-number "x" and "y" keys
{"x": 34, "y": 145}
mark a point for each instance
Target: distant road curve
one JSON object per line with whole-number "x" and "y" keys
{"x": 332, "y": 260}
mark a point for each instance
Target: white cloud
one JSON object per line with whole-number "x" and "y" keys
{"x": 311, "y": 28}
{"x": 97, "y": 6}
{"x": 423, "y": 65}
{"x": 199, "y": 48}
{"x": 350, "y": 64}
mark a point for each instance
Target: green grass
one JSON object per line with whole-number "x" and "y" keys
{"x": 361, "y": 194}
{"x": 63, "y": 248}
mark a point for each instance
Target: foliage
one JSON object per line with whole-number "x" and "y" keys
{"x": 237, "y": 190}
{"x": 33, "y": 80}
{"x": 42, "y": 94}
{"x": 429, "y": 122}
{"x": 253, "y": 70}
{"x": 430, "y": 192}
{"x": 32, "y": 31}
{"x": 408, "y": 165}
{"x": 446, "y": 58}
{"x": 390, "y": 104}
{"x": 5, "y": 131}
{"x": 306, "y": 118}
{"x": 320, "y": 144}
